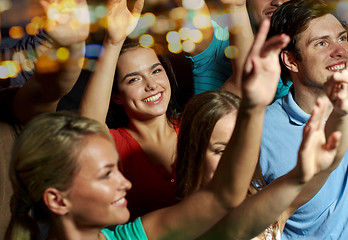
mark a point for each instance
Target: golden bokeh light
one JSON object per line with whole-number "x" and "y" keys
{"x": 63, "y": 54}
{"x": 9, "y": 69}
{"x": 231, "y": 52}
{"x": 16, "y": 32}
{"x": 146, "y": 40}
{"x": 188, "y": 46}
{"x": 175, "y": 48}
{"x": 173, "y": 37}
{"x": 202, "y": 21}
{"x": 196, "y": 35}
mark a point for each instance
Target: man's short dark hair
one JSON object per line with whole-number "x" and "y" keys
{"x": 293, "y": 18}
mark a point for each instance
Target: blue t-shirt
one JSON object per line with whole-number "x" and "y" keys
{"x": 130, "y": 231}
{"x": 211, "y": 68}
{"x": 325, "y": 216}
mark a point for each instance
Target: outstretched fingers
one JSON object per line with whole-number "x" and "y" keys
{"x": 138, "y": 7}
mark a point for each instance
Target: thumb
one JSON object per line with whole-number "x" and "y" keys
{"x": 138, "y": 7}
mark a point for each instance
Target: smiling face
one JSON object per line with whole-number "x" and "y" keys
{"x": 220, "y": 136}
{"x": 259, "y": 9}
{"x": 323, "y": 48}
{"x": 97, "y": 195}
{"x": 143, "y": 85}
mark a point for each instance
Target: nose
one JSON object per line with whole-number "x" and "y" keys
{"x": 277, "y": 3}
{"x": 339, "y": 51}
{"x": 150, "y": 84}
{"x": 123, "y": 183}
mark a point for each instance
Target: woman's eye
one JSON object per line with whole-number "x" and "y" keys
{"x": 219, "y": 151}
{"x": 107, "y": 174}
{"x": 132, "y": 80}
{"x": 158, "y": 70}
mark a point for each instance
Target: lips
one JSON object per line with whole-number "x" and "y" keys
{"x": 153, "y": 98}
{"x": 120, "y": 202}
{"x": 337, "y": 67}
{"x": 269, "y": 12}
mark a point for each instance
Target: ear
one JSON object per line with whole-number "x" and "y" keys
{"x": 116, "y": 99}
{"x": 289, "y": 61}
{"x": 56, "y": 201}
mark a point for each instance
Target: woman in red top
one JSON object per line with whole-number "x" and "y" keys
{"x": 147, "y": 139}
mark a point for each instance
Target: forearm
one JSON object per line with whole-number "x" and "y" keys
{"x": 96, "y": 97}
{"x": 242, "y": 37}
{"x": 259, "y": 211}
{"x": 42, "y": 92}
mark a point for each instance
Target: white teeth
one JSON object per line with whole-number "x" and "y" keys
{"x": 121, "y": 201}
{"x": 153, "y": 98}
{"x": 337, "y": 67}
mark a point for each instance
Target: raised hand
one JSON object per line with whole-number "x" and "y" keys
{"x": 120, "y": 21}
{"x": 336, "y": 89}
{"x": 316, "y": 154}
{"x": 67, "y": 22}
{"x": 262, "y": 69}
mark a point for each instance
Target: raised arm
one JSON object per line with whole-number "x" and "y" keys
{"x": 259, "y": 211}
{"x": 228, "y": 188}
{"x": 42, "y": 92}
{"x": 241, "y": 36}
{"x": 121, "y": 22}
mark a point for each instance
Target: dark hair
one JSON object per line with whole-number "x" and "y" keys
{"x": 196, "y": 126}
{"x": 117, "y": 117}
{"x": 292, "y": 18}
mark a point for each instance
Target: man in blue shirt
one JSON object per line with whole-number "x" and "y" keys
{"x": 315, "y": 60}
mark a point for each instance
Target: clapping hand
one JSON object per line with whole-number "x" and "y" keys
{"x": 316, "y": 154}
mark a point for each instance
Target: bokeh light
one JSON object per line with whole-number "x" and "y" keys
{"x": 16, "y": 32}
{"x": 149, "y": 19}
{"x": 231, "y": 52}
{"x": 201, "y": 21}
{"x": 188, "y": 46}
{"x": 9, "y": 69}
{"x": 93, "y": 50}
{"x": 177, "y": 13}
{"x": 184, "y": 33}
{"x": 100, "y": 11}
{"x": 63, "y": 54}
{"x": 173, "y": 37}
{"x": 146, "y": 40}
{"x": 175, "y": 48}
{"x": 196, "y": 35}
{"x": 45, "y": 64}
{"x": 193, "y": 4}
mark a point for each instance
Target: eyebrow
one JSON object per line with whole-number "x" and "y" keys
{"x": 110, "y": 165}
{"x": 138, "y": 73}
{"x": 324, "y": 37}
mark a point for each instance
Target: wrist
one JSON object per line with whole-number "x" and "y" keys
{"x": 235, "y": 8}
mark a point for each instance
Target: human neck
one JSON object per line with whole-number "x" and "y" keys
{"x": 306, "y": 97}
{"x": 69, "y": 231}
{"x": 153, "y": 128}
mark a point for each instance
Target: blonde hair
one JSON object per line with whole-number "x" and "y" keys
{"x": 44, "y": 155}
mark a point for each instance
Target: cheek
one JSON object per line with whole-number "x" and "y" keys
{"x": 212, "y": 161}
